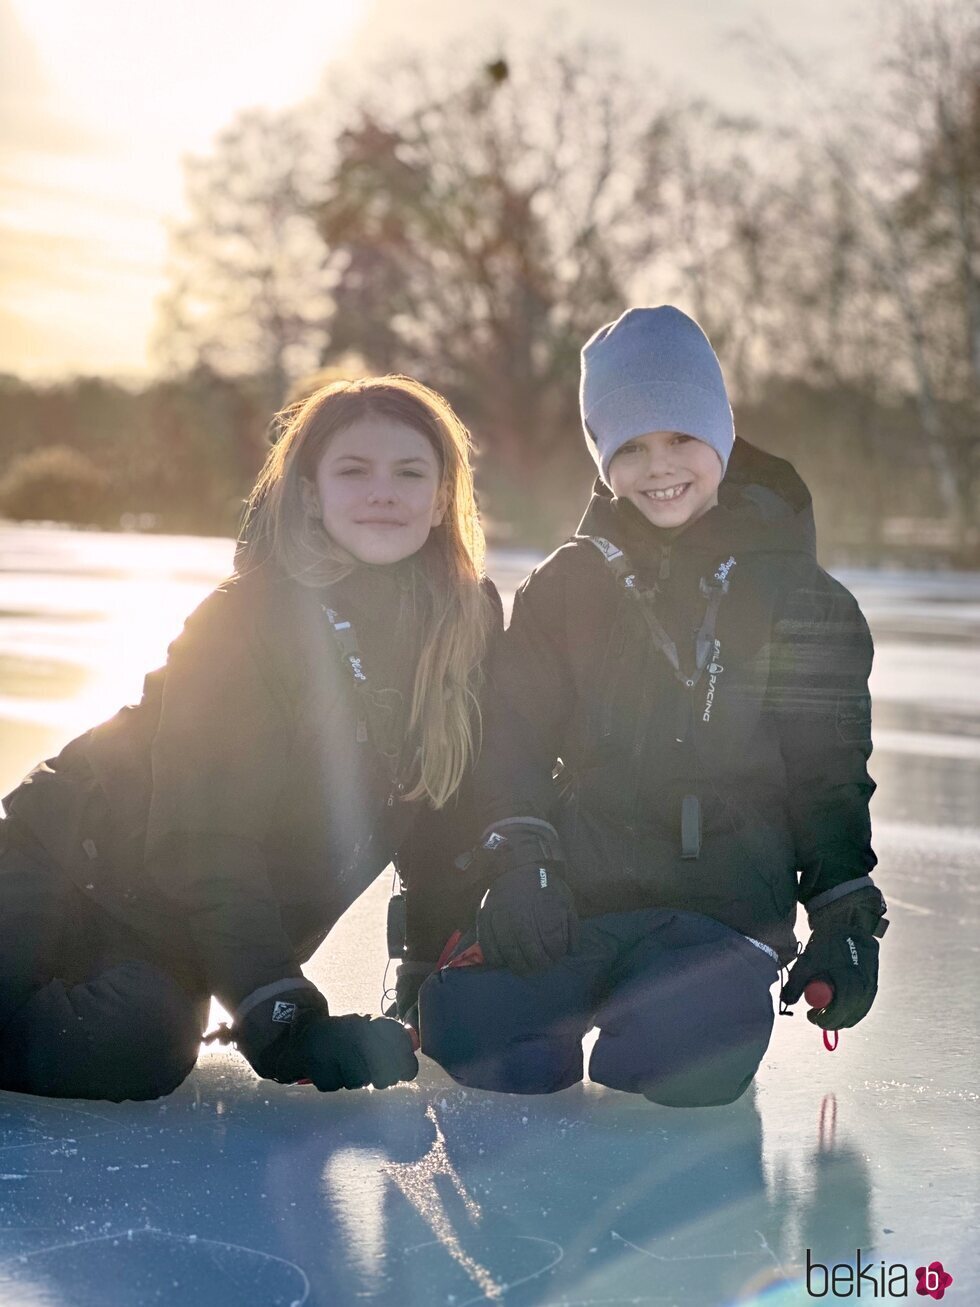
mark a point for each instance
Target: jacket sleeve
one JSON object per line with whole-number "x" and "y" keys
{"x": 440, "y": 898}
{"x": 528, "y": 701}
{"x": 218, "y": 759}
{"x": 818, "y": 694}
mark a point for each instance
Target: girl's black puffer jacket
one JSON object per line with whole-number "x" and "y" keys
{"x": 235, "y": 813}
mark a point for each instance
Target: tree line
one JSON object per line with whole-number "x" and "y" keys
{"x": 472, "y": 219}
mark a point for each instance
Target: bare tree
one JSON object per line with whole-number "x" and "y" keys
{"x": 724, "y": 226}
{"x": 250, "y": 277}
{"x": 487, "y": 227}
{"x": 474, "y": 220}
{"x": 888, "y": 213}
{"x": 935, "y": 69}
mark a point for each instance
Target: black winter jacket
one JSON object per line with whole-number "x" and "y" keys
{"x": 771, "y": 740}
{"x": 236, "y": 812}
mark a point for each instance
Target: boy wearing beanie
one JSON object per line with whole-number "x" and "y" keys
{"x": 674, "y": 756}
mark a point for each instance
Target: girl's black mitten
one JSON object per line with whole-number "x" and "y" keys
{"x": 527, "y": 919}
{"x": 843, "y": 951}
{"x": 290, "y": 1036}
{"x": 354, "y": 1051}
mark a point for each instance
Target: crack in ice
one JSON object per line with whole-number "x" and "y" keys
{"x": 190, "y": 1239}
{"x": 693, "y": 1257}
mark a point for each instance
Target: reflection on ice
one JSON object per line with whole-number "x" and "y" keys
{"x": 83, "y": 617}
{"x": 417, "y": 1183}
{"x": 354, "y": 1188}
{"x": 434, "y": 1194}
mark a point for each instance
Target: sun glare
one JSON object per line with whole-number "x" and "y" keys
{"x": 111, "y": 98}
{"x": 122, "y": 67}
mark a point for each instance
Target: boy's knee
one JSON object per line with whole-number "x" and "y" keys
{"x": 471, "y": 1025}
{"x": 130, "y": 1032}
{"x": 694, "y": 1092}
{"x": 673, "y": 1076}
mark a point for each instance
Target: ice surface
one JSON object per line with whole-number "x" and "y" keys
{"x": 235, "y": 1192}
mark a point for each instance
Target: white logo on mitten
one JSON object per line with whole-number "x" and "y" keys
{"x": 284, "y": 1012}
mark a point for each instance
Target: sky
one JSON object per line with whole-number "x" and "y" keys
{"x": 100, "y": 103}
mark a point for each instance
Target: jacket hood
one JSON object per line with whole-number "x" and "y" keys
{"x": 763, "y": 506}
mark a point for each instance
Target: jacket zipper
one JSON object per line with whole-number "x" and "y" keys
{"x": 639, "y": 740}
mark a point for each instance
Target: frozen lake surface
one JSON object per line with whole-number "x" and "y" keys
{"x": 235, "y": 1191}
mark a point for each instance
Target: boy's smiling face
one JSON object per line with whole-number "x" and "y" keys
{"x": 672, "y": 478}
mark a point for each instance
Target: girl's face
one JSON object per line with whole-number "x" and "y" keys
{"x": 672, "y": 478}
{"x": 379, "y": 487}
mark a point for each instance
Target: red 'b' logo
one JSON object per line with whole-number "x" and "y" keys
{"x": 933, "y": 1281}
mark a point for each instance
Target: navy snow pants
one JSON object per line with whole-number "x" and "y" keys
{"x": 682, "y": 1003}
{"x": 86, "y": 1008}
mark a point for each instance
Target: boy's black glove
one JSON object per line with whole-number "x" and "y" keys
{"x": 843, "y": 951}
{"x": 527, "y": 919}
{"x": 290, "y": 1036}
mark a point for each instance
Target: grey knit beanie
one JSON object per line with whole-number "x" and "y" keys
{"x": 652, "y": 370}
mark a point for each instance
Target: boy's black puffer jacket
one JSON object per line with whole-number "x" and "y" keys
{"x": 774, "y": 735}
{"x": 236, "y": 812}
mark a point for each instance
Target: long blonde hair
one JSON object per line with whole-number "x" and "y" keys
{"x": 444, "y": 711}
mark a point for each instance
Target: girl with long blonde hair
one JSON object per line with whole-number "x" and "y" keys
{"x": 316, "y": 718}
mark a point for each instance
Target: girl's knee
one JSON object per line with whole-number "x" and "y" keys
{"x": 130, "y": 1032}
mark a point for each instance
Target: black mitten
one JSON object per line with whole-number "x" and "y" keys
{"x": 527, "y": 919}
{"x": 352, "y": 1052}
{"x": 290, "y": 1036}
{"x": 843, "y": 951}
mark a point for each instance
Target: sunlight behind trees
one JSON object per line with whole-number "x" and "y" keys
{"x": 472, "y": 216}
